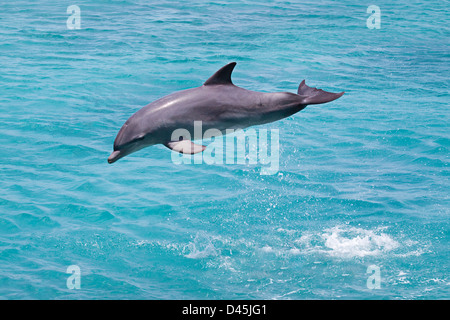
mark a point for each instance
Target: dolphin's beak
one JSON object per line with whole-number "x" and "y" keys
{"x": 114, "y": 156}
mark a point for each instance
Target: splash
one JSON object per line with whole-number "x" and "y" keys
{"x": 349, "y": 242}
{"x": 201, "y": 247}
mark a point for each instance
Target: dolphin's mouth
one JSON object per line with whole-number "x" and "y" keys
{"x": 114, "y": 156}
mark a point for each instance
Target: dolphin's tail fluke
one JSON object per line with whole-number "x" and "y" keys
{"x": 316, "y": 96}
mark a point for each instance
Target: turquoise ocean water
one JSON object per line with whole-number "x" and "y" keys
{"x": 363, "y": 181}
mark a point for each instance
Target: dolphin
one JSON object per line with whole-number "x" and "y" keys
{"x": 219, "y": 104}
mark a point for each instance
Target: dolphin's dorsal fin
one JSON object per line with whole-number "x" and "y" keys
{"x": 222, "y": 76}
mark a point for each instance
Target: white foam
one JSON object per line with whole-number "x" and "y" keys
{"x": 267, "y": 249}
{"x": 287, "y": 231}
{"x": 349, "y": 242}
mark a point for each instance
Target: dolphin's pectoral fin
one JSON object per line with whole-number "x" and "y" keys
{"x": 316, "y": 96}
{"x": 185, "y": 146}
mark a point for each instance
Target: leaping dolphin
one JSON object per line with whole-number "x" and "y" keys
{"x": 219, "y": 104}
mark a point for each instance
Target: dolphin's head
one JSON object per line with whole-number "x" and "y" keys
{"x": 114, "y": 156}
{"x": 130, "y": 138}
{"x": 124, "y": 151}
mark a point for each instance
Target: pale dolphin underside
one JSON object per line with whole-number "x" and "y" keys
{"x": 218, "y": 104}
